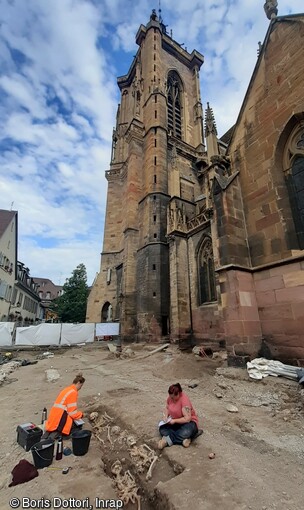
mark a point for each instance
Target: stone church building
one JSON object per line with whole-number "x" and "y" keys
{"x": 204, "y": 237}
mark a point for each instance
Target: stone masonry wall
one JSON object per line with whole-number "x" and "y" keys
{"x": 280, "y": 300}
{"x": 207, "y": 321}
{"x": 231, "y": 244}
{"x": 268, "y": 302}
{"x": 274, "y": 96}
{"x": 240, "y": 312}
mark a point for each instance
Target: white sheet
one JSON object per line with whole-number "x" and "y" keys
{"x": 261, "y": 367}
{"x": 43, "y": 334}
{"x": 6, "y": 330}
{"x": 77, "y": 333}
{"x": 107, "y": 329}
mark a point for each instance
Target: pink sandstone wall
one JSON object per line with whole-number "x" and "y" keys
{"x": 208, "y": 325}
{"x": 240, "y": 312}
{"x": 280, "y": 300}
{"x": 265, "y": 304}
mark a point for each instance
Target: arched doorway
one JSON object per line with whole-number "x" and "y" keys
{"x": 106, "y": 312}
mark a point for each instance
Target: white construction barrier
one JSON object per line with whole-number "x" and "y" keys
{"x": 43, "y": 334}
{"x": 107, "y": 329}
{"x": 56, "y": 334}
{"x": 6, "y": 330}
{"x": 77, "y": 333}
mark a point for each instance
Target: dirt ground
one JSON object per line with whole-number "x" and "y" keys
{"x": 259, "y": 450}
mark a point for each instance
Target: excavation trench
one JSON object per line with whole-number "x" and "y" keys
{"x": 127, "y": 458}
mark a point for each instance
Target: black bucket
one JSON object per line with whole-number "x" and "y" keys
{"x": 43, "y": 453}
{"x": 81, "y": 441}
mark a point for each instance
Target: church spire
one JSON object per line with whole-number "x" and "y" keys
{"x": 211, "y": 134}
{"x": 271, "y": 9}
{"x": 210, "y": 125}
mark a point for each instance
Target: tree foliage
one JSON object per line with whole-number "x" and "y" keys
{"x": 72, "y": 305}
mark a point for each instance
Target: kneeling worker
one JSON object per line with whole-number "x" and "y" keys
{"x": 64, "y": 411}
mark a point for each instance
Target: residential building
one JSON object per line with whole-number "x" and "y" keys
{"x": 8, "y": 259}
{"x": 48, "y": 291}
{"x": 25, "y": 306}
{"x": 19, "y": 300}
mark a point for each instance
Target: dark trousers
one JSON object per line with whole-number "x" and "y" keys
{"x": 176, "y": 433}
{"x": 56, "y": 433}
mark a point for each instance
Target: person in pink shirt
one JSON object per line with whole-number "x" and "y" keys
{"x": 181, "y": 422}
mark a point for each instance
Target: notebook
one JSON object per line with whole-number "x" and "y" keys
{"x": 79, "y": 422}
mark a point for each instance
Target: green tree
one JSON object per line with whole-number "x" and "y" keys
{"x": 72, "y": 305}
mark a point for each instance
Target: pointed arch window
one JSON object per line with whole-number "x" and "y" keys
{"x": 207, "y": 290}
{"x": 106, "y": 312}
{"x": 294, "y": 175}
{"x": 174, "y": 97}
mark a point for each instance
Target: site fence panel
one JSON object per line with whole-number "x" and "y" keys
{"x": 106, "y": 329}
{"x": 77, "y": 333}
{"x": 56, "y": 333}
{"x": 6, "y": 333}
{"x": 43, "y": 334}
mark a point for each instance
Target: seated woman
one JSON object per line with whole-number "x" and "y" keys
{"x": 182, "y": 424}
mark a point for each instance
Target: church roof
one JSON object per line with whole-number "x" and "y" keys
{"x": 228, "y": 135}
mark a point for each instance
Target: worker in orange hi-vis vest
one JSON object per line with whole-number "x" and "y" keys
{"x": 64, "y": 411}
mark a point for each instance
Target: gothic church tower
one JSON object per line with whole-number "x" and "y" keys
{"x": 206, "y": 245}
{"x": 152, "y": 186}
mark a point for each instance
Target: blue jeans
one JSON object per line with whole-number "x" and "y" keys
{"x": 175, "y": 434}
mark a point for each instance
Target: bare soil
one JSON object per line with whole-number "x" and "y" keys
{"x": 259, "y": 450}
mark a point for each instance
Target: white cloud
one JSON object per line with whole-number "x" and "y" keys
{"x": 58, "y": 100}
{"x": 17, "y": 87}
{"x": 66, "y": 170}
{"x": 57, "y": 263}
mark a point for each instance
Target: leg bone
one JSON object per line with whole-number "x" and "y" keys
{"x": 150, "y": 470}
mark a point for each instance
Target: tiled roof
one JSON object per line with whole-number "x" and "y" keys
{"x": 46, "y": 285}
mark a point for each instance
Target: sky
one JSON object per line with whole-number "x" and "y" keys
{"x": 58, "y": 99}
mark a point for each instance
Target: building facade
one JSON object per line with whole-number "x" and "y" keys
{"x": 25, "y": 307}
{"x": 8, "y": 260}
{"x": 47, "y": 291}
{"x": 19, "y": 300}
{"x": 203, "y": 237}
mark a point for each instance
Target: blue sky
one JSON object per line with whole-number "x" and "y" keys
{"x": 58, "y": 100}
